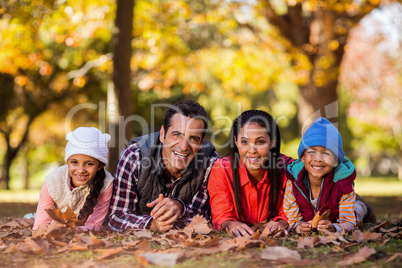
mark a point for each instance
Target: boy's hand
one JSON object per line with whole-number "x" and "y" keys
{"x": 305, "y": 227}
{"x": 327, "y": 225}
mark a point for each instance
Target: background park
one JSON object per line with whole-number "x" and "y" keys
{"x": 117, "y": 65}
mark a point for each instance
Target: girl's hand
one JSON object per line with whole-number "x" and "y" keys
{"x": 237, "y": 228}
{"x": 278, "y": 226}
{"x": 305, "y": 227}
{"x": 327, "y": 225}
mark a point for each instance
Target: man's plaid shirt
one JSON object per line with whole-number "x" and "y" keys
{"x": 124, "y": 199}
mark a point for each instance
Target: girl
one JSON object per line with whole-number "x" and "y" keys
{"x": 83, "y": 184}
{"x": 248, "y": 186}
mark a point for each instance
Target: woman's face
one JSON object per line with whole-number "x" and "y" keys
{"x": 82, "y": 169}
{"x": 254, "y": 143}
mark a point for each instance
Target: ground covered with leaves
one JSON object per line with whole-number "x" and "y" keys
{"x": 60, "y": 245}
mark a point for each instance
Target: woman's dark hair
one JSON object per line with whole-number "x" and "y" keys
{"x": 265, "y": 120}
{"x": 92, "y": 198}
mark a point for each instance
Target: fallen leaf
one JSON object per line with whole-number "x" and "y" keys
{"x": 68, "y": 217}
{"x": 143, "y": 234}
{"x": 394, "y": 257}
{"x": 205, "y": 243}
{"x": 381, "y": 225}
{"x": 358, "y": 236}
{"x": 130, "y": 244}
{"x": 198, "y": 225}
{"x": 144, "y": 246}
{"x": 360, "y": 256}
{"x": 142, "y": 260}
{"x": 248, "y": 242}
{"x": 106, "y": 253}
{"x": 40, "y": 265}
{"x": 382, "y": 230}
{"x": 96, "y": 243}
{"x": 164, "y": 259}
{"x": 308, "y": 242}
{"x": 281, "y": 254}
{"x": 320, "y": 215}
{"x": 17, "y": 259}
{"x": 11, "y": 224}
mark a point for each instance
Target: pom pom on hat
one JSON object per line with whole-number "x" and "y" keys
{"x": 322, "y": 133}
{"x": 88, "y": 141}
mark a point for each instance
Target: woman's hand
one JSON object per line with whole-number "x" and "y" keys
{"x": 237, "y": 228}
{"x": 278, "y": 227}
{"x": 327, "y": 225}
{"x": 305, "y": 227}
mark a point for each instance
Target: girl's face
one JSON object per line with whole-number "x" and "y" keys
{"x": 254, "y": 143}
{"x": 82, "y": 169}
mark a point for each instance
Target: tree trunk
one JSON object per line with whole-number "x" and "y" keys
{"x": 119, "y": 93}
{"x": 11, "y": 153}
{"x": 316, "y": 37}
{"x": 400, "y": 166}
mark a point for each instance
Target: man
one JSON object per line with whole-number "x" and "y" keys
{"x": 161, "y": 178}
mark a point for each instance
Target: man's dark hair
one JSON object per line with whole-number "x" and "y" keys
{"x": 187, "y": 108}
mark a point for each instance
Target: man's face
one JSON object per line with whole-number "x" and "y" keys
{"x": 181, "y": 142}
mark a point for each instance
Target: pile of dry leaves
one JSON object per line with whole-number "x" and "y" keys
{"x": 18, "y": 242}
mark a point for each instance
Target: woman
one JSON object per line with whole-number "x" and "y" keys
{"x": 247, "y": 187}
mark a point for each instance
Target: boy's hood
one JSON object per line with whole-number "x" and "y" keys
{"x": 342, "y": 171}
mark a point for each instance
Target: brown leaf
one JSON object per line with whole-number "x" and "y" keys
{"x": 142, "y": 260}
{"x": 394, "y": 257}
{"x": 382, "y": 230}
{"x": 68, "y": 217}
{"x": 106, "y": 253}
{"x": 198, "y": 225}
{"x": 130, "y": 244}
{"x": 281, "y": 254}
{"x": 96, "y": 243}
{"x": 144, "y": 246}
{"x": 164, "y": 259}
{"x": 40, "y": 265}
{"x": 358, "y": 236}
{"x": 205, "y": 243}
{"x": 320, "y": 215}
{"x": 17, "y": 259}
{"x": 308, "y": 242}
{"x": 360, "y": 256}
{"x": 11, "y": 224}
{"x": 249, "y": 242}
{"x": 381, "y": 225}
{"x": 143, "y": 234}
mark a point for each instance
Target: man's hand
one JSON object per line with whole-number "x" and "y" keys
{"x": 237, "y": 228}
{"x": 305, "y": 227}
{"x": 326, "y": 224}
{"x": 164, "y": 213}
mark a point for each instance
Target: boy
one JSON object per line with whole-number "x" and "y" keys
{"x": 322, "y": 178}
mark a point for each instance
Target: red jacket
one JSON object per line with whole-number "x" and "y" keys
{"x": 254, "y": 200}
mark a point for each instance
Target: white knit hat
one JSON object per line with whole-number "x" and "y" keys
{"x": 89, "y": 141}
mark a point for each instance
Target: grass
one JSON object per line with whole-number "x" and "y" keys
{"x": 383, "y": 194}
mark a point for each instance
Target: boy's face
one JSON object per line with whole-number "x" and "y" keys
{"x": 318, "y": 161}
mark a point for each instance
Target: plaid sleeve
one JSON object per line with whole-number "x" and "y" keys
{"x": 123, "y": 204}
{"x": 200, "y": 202}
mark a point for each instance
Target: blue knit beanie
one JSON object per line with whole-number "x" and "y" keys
{"x": 322, "y": 133}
